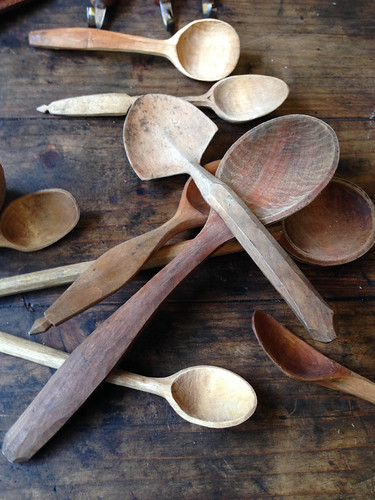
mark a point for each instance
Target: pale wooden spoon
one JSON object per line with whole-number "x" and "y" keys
{"x": 235, "y": 99}
{"x": 97, "y": 355}
{"x": 299, "y": 360}
{"x": 117, "y": 266}
{"x": 203, "y": 395}
{"x": 164, "y": 136}
{"x": 37, "y": 220}
{"x": 207, "y": 49}
{"x": 2, "y": 186}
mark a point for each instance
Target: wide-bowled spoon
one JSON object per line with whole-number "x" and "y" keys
{"x": 164, "y": 136}
{"x": 204, "y": 395}
{"x": 299, "y": 360}
{"x": 207, "y": 49}
{"x": 235, "y": 99}
{"x": 95, "y": 357}
{"x": 37, "y": 220}
{"x": 117, "y": 266}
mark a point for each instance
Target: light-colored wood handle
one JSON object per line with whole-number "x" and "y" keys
{"x": 93, "y": 39}
{"x": 268, "y": 255}
{"x": 114, "y": 104}
{"x": 95, "y": 357}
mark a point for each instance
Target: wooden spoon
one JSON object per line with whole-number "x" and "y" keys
{"x": 235, "y": 99}
{"x": 107, "y": 274}
{"x": 174, "y": 134}
{"x": 37, "y": 220}
{"x": 204, "y": 395}
{"x": 207, "y": 49}
{"x": 97, "y": 355}
{"x": 2, "y": 186}
{"x": 299, "y": 360}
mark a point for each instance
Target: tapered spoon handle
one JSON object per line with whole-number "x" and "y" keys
{"x": 93, "y": 39}
{"x": 268, "y": 255}
{"x": 354, "y": 384}
{"x": 96, "y": 356}
{"x": 114, "y": 104}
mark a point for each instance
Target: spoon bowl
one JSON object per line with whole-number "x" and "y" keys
{"x": 37, "y": 220}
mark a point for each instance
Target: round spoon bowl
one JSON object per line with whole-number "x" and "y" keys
{"x": 2, "y": 186}
{"x": 242, "y": 98}
{"x": 212, "y": 396}
{"x": 335, "y": 228}
{"x": 39, "y": 219}
{"x": 207, "y": 50}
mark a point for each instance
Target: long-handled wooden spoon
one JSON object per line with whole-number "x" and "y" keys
{"x": 117, "y": 266}
{"x": 299, "y": 360}
{"x": 174, "y": 134}
{"x": 333, "y": 248}
{"x": 37, "y": 220}
{"x": 95, "y": 357}
{"x": 207, "y": 49}
{"x": 235, "y": 99}
{"x": 203, "y": 395}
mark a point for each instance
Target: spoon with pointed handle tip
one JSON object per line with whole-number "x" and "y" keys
{"x": 37, "y": 220}
{"x": 174, "y": 134}
{"x": 356, "y": 201}
{"x": 97, "y": 355}
{"x": 2, "y": 186}
{"x": 300, "y": 361}
{"x": 335, "y": 228}
{"x": 203, "y": 395}
{"x": 207, "y": 49}
{"x": 107, "y": 274}
{"x": 235, "y": 99}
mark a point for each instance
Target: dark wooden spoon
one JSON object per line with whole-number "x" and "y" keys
{"x": 301, "y": 361}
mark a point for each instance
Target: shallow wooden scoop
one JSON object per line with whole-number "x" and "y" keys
{"x": 207, "y": 49}
{"x": 37, "y": 220}
{"x": 235, "y": 99}
{"x": 203, "y": 395}
{"x": 299, "y": 360}
{"x": 174, "y": 134}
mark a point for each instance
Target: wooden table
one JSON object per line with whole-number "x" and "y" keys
{"x": 303, "y": 441}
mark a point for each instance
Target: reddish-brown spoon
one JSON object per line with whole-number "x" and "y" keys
{"x": 299, "y": 360}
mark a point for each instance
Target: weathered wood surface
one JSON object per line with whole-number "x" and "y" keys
{"x": 304, "y": 441}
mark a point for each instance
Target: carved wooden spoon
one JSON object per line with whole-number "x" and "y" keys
{"x": 117, "y": 266}
{"x": 235, "y": 99}
{"x": 203, "y": 395}
{"x": 207, "y": 49}
{"x": 299, "y": 360}
{"x": 37, "y": 220}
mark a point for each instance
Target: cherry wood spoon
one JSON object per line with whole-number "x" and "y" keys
{"x": 300, "y": 361}
{"x": 37, "y": 220}
{"x": 206, "y": 49}
{"x": 203, "y": 395}
{"x": 97, "y": 355}
{"x": 174, "y": 134}
{"x": 117, "y": 266}
{"x": 235, "y": 99}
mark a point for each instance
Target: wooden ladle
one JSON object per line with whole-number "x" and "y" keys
{"x": 203, "y": 395}
{"x": 97, "y": 355}
{"x": 37, "y": 220}
{"x": 164, "y": 136}
{"x": 299, "y": 360}
{"x": 207, "y": 49}
{"x": 235, "y": 99}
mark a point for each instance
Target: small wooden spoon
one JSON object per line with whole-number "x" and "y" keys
{"x": 235, "y": 99}
{"x": 107, "y": 274}
{"x": 300, "y": 361}
{"x": 203, "y": 395}
{"x": 37, "y": 220}
{"x": 207, "y": 49}
{"x": 2, "y": 186}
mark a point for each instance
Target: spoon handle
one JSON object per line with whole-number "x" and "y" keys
{"x": 94, "y": 358}
{"x": 113, "y": 104}
{"x": 354, "y": 384}
{"x": 268, "y": 255}
{"x": 93, "y": 39}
